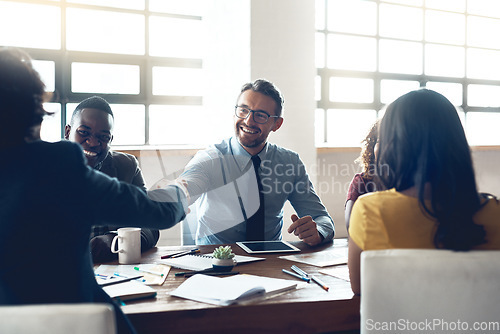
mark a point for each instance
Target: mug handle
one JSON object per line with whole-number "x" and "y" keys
{"x": 113, "y": 244}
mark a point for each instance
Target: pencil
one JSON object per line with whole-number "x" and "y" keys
{"x": 320, "y": 283}
{"x": 296, "y": 275}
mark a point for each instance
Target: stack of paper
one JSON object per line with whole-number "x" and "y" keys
{"x": 230, "y": 290}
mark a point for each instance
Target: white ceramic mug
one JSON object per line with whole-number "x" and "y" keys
{"x": 129, "y": 245}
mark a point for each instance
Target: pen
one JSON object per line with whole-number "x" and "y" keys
{"x": 319, "y": 282}
{"x": 119, "y": 301}
{"x": 195, "y": 272}
{"x": 177, "y": 253}
{"x": 314, "y": 278}
{"x": 217, "y": 273}
{"x": 296, "y": 275}
{"x": 149, "y": 271}
{"x": 116, "y": 281}
{"x": 117, "y": 274}
{"x": 126, "y": 277}
{"x": 299, "y": 271}
{"x": 192, "y": 251}
{"x": 103, "y": 276}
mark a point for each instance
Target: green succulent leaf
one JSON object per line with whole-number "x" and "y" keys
{"x": 223, "y": 252}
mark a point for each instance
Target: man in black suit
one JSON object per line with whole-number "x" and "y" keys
{"x": 50, "y": 198}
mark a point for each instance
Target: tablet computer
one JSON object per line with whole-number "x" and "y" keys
{"x": 275, "y": 246}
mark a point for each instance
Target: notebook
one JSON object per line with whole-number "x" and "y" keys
{"x": 230, "y": 290}
{"x": 129, "y": 290}
{"x": 201, "y": 262}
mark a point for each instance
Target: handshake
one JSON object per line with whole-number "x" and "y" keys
{"x": 163, "y": 184}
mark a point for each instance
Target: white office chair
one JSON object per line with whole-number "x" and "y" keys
{"x": 430, "y": 291}
{"x": 84, "y": 318}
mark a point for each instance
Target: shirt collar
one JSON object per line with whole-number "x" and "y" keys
{"x": 241, "y": 156}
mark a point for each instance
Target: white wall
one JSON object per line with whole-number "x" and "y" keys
{"x": 227, "y": 65}
{"x": 336, "y": 168}
{"x": 282, "y": 51}
{"x": 486, "y": 164}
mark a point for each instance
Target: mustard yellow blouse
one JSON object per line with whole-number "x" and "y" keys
{"x": 389, "y": 219}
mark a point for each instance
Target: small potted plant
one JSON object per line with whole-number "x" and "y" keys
{"x": 223, "y": 259}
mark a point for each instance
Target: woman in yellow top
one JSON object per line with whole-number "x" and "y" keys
{"x": 432, "y": 202}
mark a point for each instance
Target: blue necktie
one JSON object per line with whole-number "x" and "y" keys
{"x": 255, "y": 224}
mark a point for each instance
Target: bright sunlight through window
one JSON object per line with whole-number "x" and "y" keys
{"x": 117, "y": 49}
{"x": 369, "y": 52}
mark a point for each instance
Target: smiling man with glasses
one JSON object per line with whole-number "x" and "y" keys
{"x": 241, "y": 184}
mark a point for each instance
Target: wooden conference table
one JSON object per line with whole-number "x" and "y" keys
{"x": 307, "y": 310}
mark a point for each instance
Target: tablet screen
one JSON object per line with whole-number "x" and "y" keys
{"x": 267, "y": 246}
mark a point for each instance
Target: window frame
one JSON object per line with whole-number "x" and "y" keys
{"x": 63, "y": 58}
{"x": 325, "y": 74}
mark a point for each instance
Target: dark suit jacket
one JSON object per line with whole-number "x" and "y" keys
{"x": 125, "y": 168}
{"x": 41, "y": 186}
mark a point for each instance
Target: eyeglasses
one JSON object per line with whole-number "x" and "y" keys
{"x": 260, "y": 117}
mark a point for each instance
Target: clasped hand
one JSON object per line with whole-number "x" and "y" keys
{"x": 305, "y": 228}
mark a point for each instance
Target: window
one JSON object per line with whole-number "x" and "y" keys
{"x": 369, "y": 52}
{"x": 131, "y": 52}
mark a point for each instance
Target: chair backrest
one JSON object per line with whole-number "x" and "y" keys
{"x": 81, "y": 318}
{"x": 430, "y": 291}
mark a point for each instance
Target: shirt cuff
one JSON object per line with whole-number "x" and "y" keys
{"x": 325, "y": 228}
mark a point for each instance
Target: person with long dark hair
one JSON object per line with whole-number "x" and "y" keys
{"x": 432, "y": 200}
{"x": 50, "y": 199}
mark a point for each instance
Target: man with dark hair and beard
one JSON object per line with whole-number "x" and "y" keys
{"x": 241, "y": 184}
